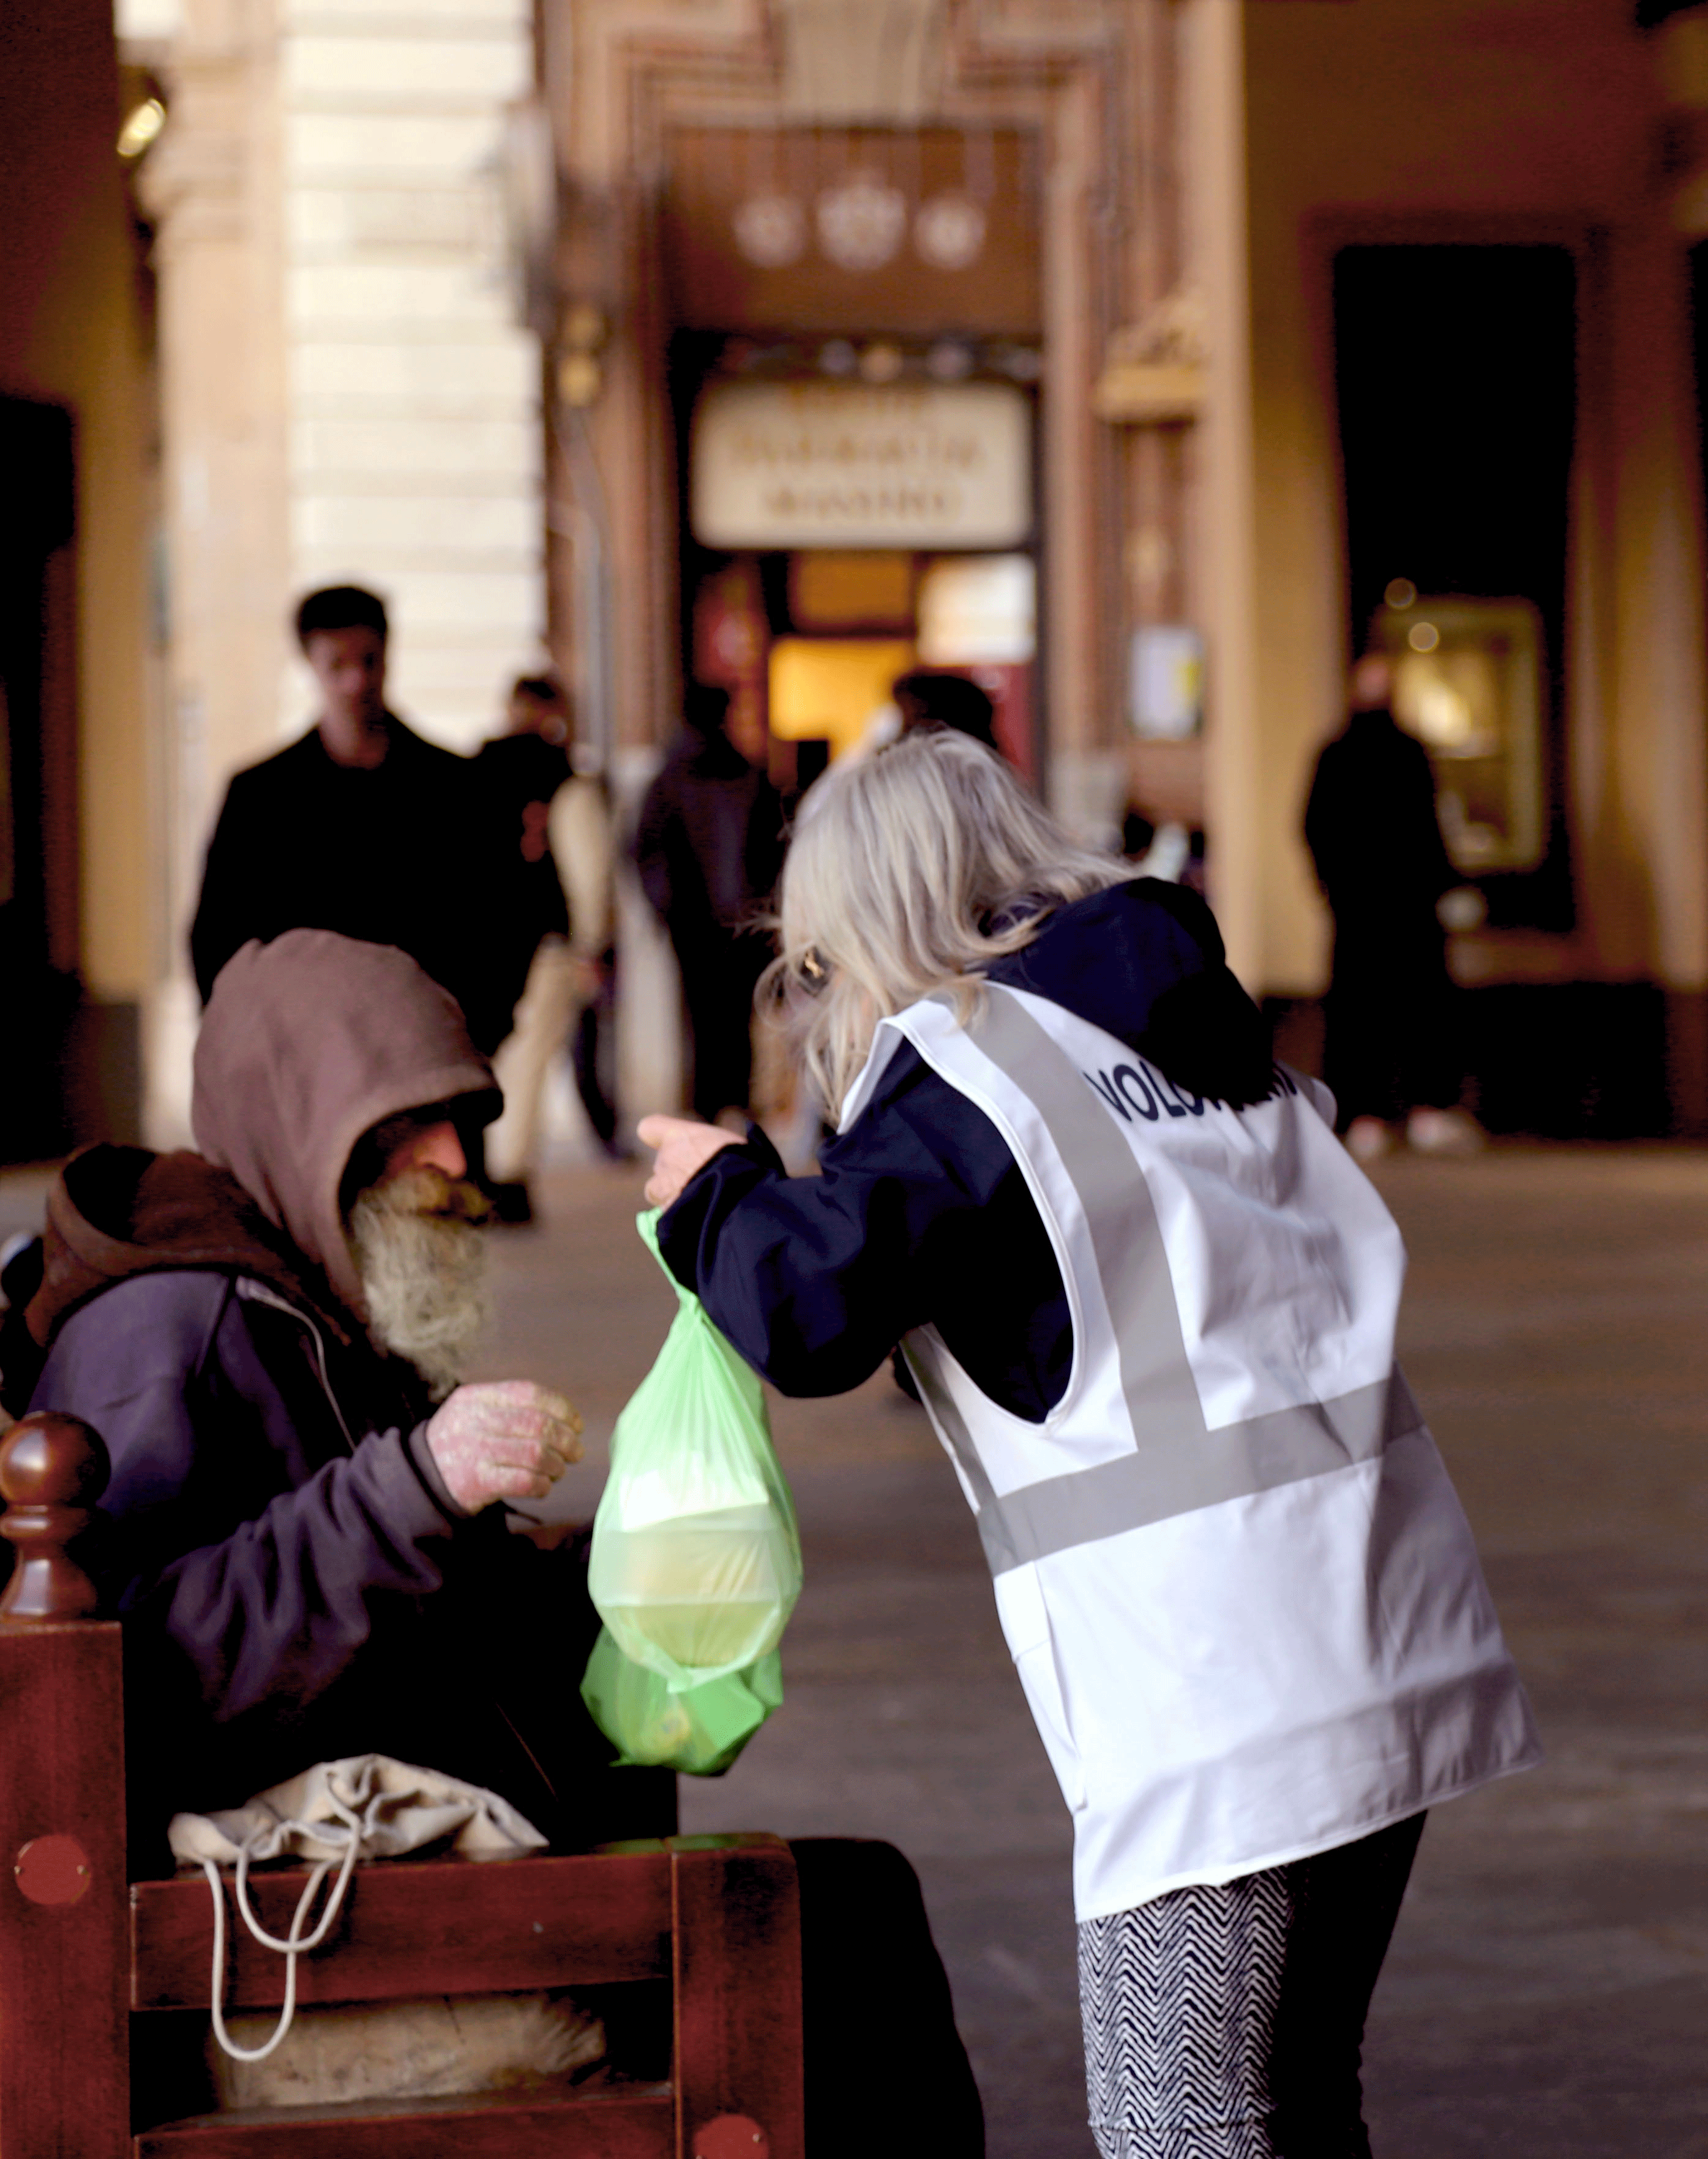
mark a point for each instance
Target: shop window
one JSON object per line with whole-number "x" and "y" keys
{"x": 871, "y": 590}
{"x": 978, "y": 611}
{"x": 826, "y": 689}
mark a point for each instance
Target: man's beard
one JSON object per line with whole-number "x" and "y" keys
{"x": 422, "y": 1262}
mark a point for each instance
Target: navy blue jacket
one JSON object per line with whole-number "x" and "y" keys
{"x": 921, "y": 1214}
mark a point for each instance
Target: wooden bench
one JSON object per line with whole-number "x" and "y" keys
{"x": 87, "y": 1957}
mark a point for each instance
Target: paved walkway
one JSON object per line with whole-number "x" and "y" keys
{"x": 1548, "y": 1991}
{"x": 1547, "y": 1995}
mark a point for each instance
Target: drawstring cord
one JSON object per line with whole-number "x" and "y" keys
{"x": 296, "y": 1943}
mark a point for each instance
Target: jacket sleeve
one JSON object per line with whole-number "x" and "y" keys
{"x": 651, "y": 846}
{"x": 815, "y": 1279}
{"x": 1436, "y": 873}
{"x": 233, "y": 907}
{"x": 276, "y": 1610}
{"x": 265, "y": 1572}
{"x": 1324, "y": 817}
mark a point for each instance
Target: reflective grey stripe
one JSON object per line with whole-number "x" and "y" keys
{"x": 1156, "y": 1373}
{"x": 1159, "y": 1483}
{"x": 922, "y": 1353}
{"x": 1180, "y": 1465}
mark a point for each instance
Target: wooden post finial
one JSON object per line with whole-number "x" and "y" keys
{"x": 52, "y": 1470}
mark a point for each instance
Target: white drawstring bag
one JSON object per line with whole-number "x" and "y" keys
{"x": 366, "y": 1807}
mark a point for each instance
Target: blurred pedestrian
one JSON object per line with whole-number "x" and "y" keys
{"x": 1150, "y": 1303}
{"x": 583, "y": 846}
{"x": 709, "y": 847}
{"x": 1393, "y": 1052}
{"x": 933, "y": 697}
{"x": 358, "y": 826}
{"x": 567, "y": 1001}
{"x": 520, "y": 773}
{"x": 523, "y": 767}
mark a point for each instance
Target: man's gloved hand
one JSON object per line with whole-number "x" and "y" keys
{"x": 506, "y": 1439}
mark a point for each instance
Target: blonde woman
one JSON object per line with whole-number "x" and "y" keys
{"x": 1150, "y": 1304}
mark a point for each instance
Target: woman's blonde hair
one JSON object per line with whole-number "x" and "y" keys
{"x": 914, "y": 869}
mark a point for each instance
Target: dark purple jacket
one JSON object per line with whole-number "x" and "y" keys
{"x": 293, "y": 1587}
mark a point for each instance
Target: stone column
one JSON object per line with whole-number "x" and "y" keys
{"x": 1215, "y": 104}
{"x": 345, "y": 395}
{"x": 1660, "y": 744}
{"x": 212, "y": 185}
{"x": 415, "y": 441}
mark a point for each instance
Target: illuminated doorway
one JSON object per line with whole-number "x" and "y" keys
{"x": 839, "y": 534}
{"x": 1457, "y": 381}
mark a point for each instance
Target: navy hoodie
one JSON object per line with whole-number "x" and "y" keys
{"x": 921, "y": 1214}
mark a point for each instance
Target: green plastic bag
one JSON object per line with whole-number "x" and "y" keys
{"x": 696, "y": 1559}
{"x": 699, "y": 1730}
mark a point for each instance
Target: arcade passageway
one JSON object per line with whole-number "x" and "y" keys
{"x": 1548, "y": 1991}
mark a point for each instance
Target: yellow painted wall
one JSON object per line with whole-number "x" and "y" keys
{"x": 1427, "y": 114}
{"x": 88, "y": 344}
{"x": 70, "y": 334}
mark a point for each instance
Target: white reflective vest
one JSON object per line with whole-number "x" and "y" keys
{"x": 1239, "y": 1592}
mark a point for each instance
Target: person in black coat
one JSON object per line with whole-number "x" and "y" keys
{"x": 518, "y": 772}
{"x": 936, "y": 697}
{"x": 362, "y": 827}
{"x": 1393, "y": 1051}
{"x": 709, "y": 847}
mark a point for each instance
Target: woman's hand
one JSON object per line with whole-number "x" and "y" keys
{"x": 685, "y": 1147}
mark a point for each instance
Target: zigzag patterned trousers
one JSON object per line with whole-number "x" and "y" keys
{"x": 1225, "y": 2021}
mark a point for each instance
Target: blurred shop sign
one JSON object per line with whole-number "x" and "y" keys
{"x": 1165, "y": 682}
{"x": 836, "y": 464}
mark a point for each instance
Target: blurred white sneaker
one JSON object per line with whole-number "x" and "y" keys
{"x": 1443, "y": 1131}
{"x": 1367, "y": 1139}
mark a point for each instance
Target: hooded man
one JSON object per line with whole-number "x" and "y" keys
{"x": 300, "y": 1532}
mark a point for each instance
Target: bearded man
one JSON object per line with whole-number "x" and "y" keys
{"x": 303, "y": 1533}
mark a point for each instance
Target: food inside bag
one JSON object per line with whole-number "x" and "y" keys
{"x": 696, "y": 1559}
{"x": 699, "y": 1730}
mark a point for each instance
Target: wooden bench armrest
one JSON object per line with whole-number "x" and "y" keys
{"x": 80, "y": 1949}
{"x": 436, "y": 1926}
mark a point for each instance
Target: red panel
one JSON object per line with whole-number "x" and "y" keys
{"x": 448, "y": 1926}
{"x": 63, "y": 2062}
{"x": 607, "y": 2124}
{"x": 738, "y": 1993}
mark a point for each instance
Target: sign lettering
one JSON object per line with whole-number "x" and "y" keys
{"x": 835, "y": 464}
